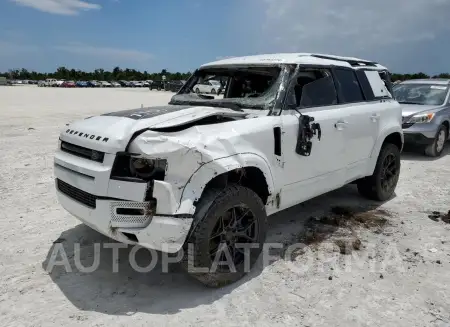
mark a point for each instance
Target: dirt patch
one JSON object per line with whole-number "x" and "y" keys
{"x": 371, "y": 218}
{"x": 340, "y": 225}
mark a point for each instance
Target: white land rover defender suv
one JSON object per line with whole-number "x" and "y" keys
{"x": 201, "y": 174}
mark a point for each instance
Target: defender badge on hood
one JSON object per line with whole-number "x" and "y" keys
{"x": 88, "y": 136}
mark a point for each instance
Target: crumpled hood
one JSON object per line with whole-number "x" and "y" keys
{"x": 409, "y": 110}
{"x": 112, "y": 132}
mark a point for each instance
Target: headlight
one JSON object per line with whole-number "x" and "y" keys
{"x": 421, "y": 118}
{"x": 142, "y": 168}
{"x": 129, "y": 166}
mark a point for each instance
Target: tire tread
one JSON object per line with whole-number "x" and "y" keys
{"x": 213, "y": 199}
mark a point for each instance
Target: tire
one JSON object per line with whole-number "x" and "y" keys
{"x": 212, "y": 215}
{"x": 435, "y": 149}
{"x": 197, "y": 90}
{"x": 213, "y": 91}
{"x": 372, "y": 187}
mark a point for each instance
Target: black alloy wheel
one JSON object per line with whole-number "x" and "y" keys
{"x": 238, "y": 225}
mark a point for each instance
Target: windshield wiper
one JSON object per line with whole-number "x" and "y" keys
{"x": 204, "y": 96}
{"x": 409, "y": 102}
{"x": 229, "y": 105}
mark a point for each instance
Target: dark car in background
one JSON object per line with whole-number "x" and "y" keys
{"x": 174, "y": 86}
{"x": 124, "y": 83}
{"x": 92, "y": 84}
{"x": 81, "y": 84}
{"x": 158, "y": 85}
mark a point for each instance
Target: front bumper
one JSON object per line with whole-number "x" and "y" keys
{"x": 417, "y": 139}
{"x": 163, "y": 233}
{"x": 85, "y": 190}
{"x": 420, "y": 134}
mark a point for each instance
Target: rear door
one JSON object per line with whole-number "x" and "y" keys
{"x": 362, "y": 116}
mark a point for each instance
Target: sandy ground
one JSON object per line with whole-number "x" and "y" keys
{"x": 400, "y": 276}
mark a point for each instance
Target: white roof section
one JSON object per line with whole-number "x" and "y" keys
{"x": 296, "y": 59}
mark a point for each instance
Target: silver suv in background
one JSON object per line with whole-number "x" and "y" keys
{"x": 426, "y": 113}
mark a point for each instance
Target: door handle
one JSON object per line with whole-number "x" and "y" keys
{"x": 375, "y": 117}
{"x": 340, "y": 125}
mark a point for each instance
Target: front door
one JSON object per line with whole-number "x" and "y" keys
{"x": 324, "y": 170}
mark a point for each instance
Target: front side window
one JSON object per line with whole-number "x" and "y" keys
{"x": 422, "y": 94}
{"x": 312, "y": 88}
{"x": 349, "y": 86}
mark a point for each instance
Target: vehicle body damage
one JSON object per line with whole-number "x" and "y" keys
{"x": 274, "y": 135}
{"x": 194, "y": 155}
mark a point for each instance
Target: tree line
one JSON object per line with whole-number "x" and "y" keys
{"x": 404, "y": 77}
{"x": 118, "y": 74}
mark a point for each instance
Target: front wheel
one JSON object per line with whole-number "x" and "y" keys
{"x": 435, "y": 149}
{"x": 381, "y": 185}
{"x": 227, "y": 236}
{"x": 213, "y": 91}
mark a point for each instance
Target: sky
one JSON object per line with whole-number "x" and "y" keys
{"x": 179, "y": 35}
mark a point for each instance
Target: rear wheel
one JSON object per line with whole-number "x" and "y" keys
{"x": 381, "y": 185}
{"x": 225, "y": 224}
{"x": 197, "y": 90}
{"x": 213, "y": 91}
{"x": 435, "y": 149}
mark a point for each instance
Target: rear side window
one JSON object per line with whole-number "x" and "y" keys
{"x": 386, "y": 78}
{"x": 349, "y": 86}
{"x": 365, "y": 85}
{"x": 378, "y": 86}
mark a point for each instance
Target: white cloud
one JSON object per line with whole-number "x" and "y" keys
{"x": 350, "y": 26}
{"x": 60, "y": 7}
{"x": 104, "y": 52}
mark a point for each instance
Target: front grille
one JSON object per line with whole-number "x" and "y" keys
{"x": 82, "y": 152}
{"x": 77, "y": 194}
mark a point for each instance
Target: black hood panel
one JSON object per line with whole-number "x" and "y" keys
{"x": 149, "y": 112}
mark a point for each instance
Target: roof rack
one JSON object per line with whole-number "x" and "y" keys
{"x": 352, "y": 62}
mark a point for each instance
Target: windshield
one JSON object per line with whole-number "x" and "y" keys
{"x": 423, "y": 94}
{"x": 252, "y": 87}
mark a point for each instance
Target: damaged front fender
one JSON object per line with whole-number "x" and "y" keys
{"x": 194, "y": 158}
{"x": 197, "y": 183}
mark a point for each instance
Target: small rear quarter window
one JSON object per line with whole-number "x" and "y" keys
{"x": 377, "y": 85}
